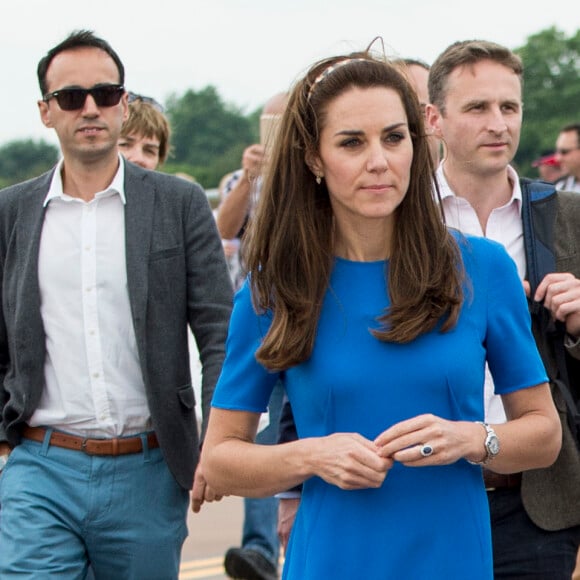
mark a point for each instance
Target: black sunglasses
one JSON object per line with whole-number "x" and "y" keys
{"x": 74, "y": 99}
{"x": 132, "y": 97}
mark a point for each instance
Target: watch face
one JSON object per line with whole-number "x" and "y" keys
{"x": 492, "y": 444}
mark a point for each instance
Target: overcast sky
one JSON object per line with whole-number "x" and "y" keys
{"x": 248, "y": 49}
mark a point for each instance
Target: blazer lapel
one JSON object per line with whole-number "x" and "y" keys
{"x": 28, "y": 316}
{"x": 140, "y": 201}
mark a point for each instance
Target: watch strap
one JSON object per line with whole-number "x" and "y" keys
{"x": 489, "y": 433}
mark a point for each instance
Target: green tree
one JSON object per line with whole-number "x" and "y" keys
{"x": 208, "y": 135}
{"x": 551, "y": 91}
{"x": 23, "y": 159}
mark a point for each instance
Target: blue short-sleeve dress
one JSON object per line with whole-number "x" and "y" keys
{"x": 428, "y": 522}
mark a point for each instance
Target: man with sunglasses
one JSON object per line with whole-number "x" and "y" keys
{"x": 103, "y": 266}
{"x": 568, "y": 156}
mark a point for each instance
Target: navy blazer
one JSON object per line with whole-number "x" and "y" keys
{"x": 177, "y": 276}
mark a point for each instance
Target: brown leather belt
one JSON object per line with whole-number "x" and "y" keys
{"x": 495, "y": 481}
{"x": 118, "y": 446}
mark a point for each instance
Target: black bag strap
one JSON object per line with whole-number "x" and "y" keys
{"x": 540, "y": 260}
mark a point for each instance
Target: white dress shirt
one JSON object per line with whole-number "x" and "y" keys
{"x": 94, "y": 385}
{"x": 569, "y": 183}
{"x": 503, "y": 226}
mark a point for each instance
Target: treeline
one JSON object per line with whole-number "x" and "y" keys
{"x": 210, "y": 135}
{"x": 551, "y": 91}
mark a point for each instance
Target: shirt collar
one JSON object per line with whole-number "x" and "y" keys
{"x": 445, "y": 191}
{"x": 117, "y": 186}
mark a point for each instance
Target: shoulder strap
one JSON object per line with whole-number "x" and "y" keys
{"x": 541, "y": 260}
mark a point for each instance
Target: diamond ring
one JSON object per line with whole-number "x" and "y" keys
{"x": 426, "y": 450}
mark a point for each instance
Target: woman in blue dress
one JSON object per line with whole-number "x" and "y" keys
{"x": 379, "y": 322}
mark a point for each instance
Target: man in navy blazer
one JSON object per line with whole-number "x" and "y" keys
{"x": 103, "y": 266}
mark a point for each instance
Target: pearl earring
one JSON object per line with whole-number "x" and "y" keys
{"x": 319, "y": 179}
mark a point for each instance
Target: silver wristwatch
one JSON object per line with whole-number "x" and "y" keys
{"x": 491, "y": 445}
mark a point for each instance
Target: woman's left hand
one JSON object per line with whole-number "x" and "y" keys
{"x": 430, "y": 440}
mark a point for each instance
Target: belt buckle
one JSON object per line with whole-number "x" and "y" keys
{"x": 98, "y": 449}
{"x": 84, "y": 448}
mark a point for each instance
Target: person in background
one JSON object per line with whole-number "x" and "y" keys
{"x": 231, "y": 246}
{"x": 103, "y": 267}
{"x": 418, "y": 74}
{"x": 568, "y": 156}
{"x": 243, "y": 189}
{"x": 548, "y": 167}
{"x": 389, "y": 418}
{"x": 145, "y": 135}
{"x": 475, "y": 90}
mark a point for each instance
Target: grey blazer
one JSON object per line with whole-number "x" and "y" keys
{"x": 177, "y": 277}
{"x": 551, "y": 496}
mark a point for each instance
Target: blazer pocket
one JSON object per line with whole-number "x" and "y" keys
{"x": 164, "y": 254}
{"x": 186, "y": 396}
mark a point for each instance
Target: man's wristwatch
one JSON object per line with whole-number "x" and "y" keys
{"x": 491, "y": 445}
{"x": 3, "y": 461}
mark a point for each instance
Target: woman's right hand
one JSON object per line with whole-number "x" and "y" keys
{"x": 349, "y": 461}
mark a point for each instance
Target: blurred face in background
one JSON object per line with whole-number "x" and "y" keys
{"x": 141, "y": 150}
{"x": 550, "y": 172}
{"x": 418, "y": 77}
{"x": 568, "y": 153}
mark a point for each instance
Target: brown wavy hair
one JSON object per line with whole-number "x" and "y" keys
{"x": 288, "y": 247}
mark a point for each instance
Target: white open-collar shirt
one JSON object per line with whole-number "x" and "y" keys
{"x": 503, "y": 226}
{"x": 93, "y": 381}
{"x": 569, "y": 183}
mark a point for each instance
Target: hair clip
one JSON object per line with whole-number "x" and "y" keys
{"x": 330, "y": 69}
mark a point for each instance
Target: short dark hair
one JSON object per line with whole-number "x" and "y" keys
{"x": 467, "y": 53}
{"x": 77, "y": 39}
{"x": 572, "y": 127}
